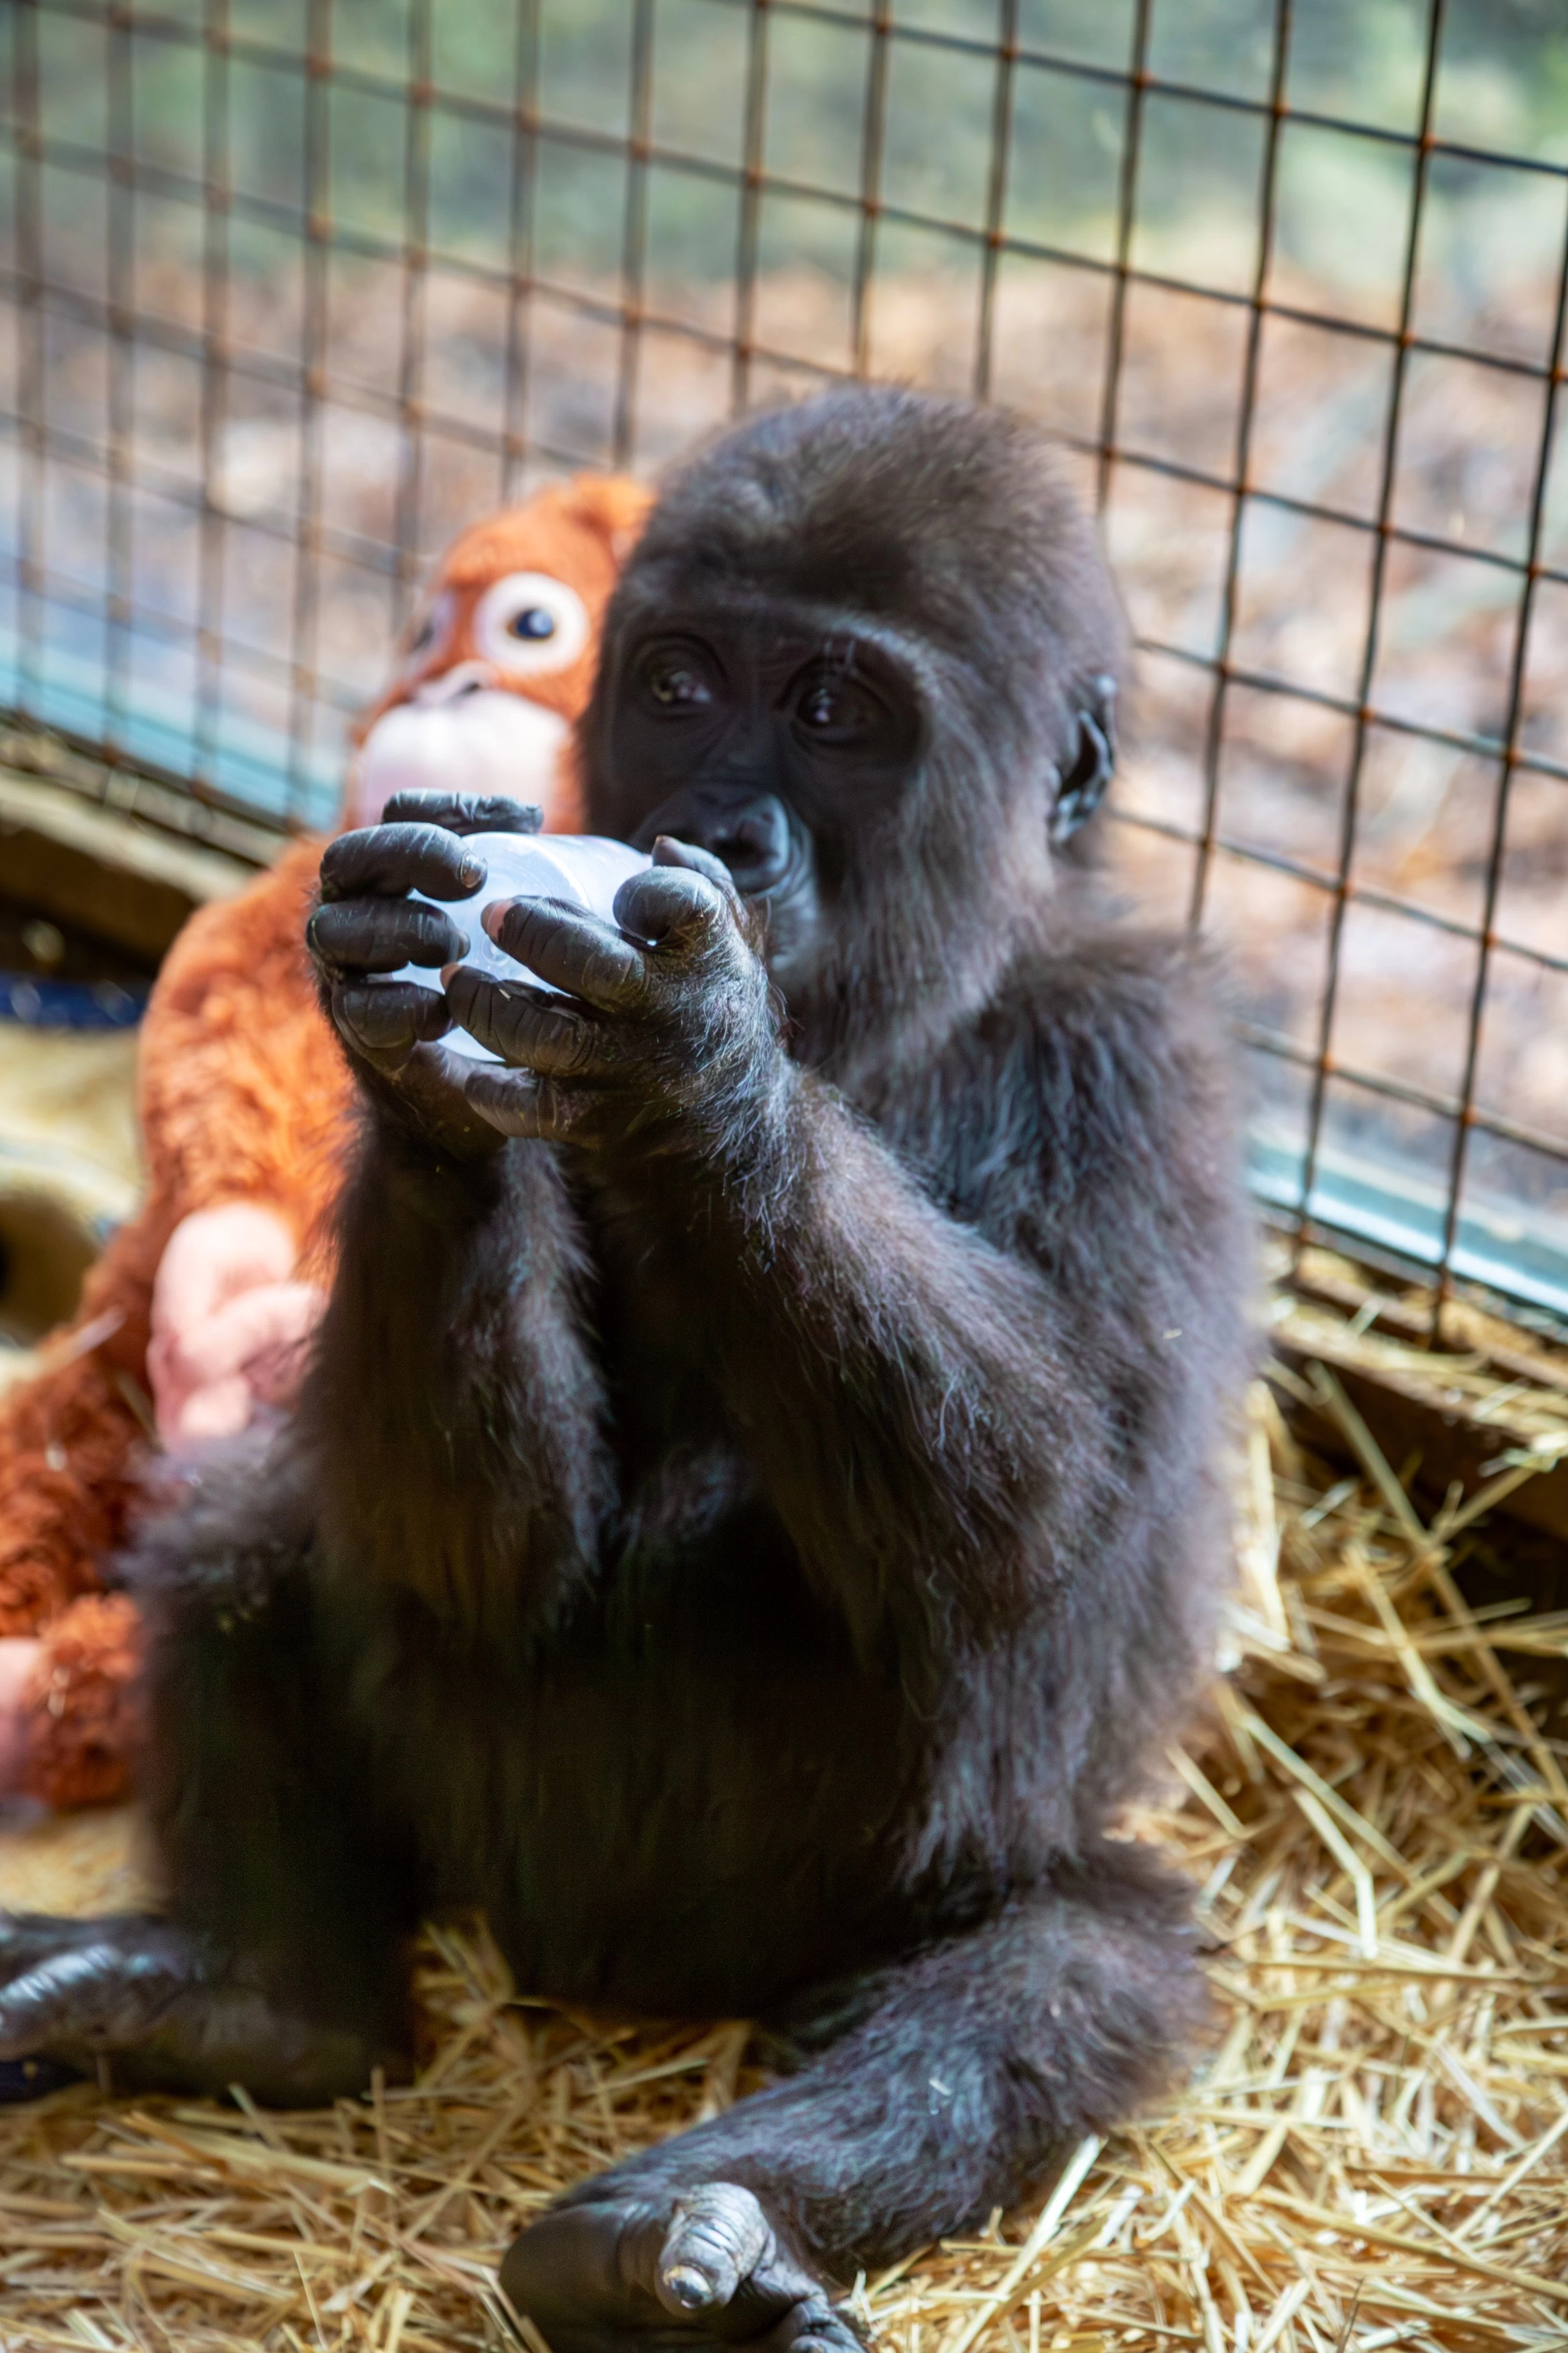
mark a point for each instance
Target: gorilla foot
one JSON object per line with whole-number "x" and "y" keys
{"x": 706, "y": 2265}
{"x": 165, "y": 2010}
{"x": 99, "y": 1984}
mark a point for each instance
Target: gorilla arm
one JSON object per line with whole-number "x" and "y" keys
{"x": 446, "y": 1466}
{"x": 897, "y": 1381}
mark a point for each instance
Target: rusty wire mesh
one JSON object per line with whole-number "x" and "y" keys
{"x": 291, "y": 287}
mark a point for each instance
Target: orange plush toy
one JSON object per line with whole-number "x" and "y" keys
{"x": 199, "y": 1307}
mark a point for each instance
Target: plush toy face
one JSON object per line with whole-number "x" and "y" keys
{"x": 500, "y": 656}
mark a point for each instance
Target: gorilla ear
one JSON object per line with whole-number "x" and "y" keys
{"x": 1082, "y": 784}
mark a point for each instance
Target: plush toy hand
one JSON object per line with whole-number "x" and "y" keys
{"x": 229, "y": 1323}
{"x": 367, "y": 927}
{"x": 666, "y": 1039}
{"x": 19, "y": 1654}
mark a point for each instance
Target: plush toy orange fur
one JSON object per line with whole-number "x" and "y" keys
{"x": 195, "y": 1314}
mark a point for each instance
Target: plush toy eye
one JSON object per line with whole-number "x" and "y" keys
{"x": 431, "y": 629}
{"x": 528, "y": 624}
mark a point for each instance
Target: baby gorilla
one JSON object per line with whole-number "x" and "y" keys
{"x": 755, "y": 1501}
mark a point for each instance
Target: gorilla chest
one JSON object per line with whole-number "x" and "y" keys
{"x": 688, "y": 1800}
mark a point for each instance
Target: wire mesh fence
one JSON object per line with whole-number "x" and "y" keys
{"x": 291, "y": 288}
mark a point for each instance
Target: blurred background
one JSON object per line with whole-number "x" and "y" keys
{"x": 289, "y": 289}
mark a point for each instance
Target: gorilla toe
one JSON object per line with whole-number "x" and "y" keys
{"x": 595, "y": 2275}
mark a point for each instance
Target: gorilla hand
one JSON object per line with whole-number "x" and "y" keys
{"x": 666, "y": 1040}
{"x": 366, "y": 926}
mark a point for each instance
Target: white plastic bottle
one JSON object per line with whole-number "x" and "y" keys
{"x": 584, "y": 869}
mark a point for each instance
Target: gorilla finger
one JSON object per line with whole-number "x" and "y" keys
{"x": 380, "y": 935}
{"x": 528, "y": 1030}
{"x": 676, "y": 907}
{"x": 718, "y": 2235}
{"x": 388, "y": 859}
{"x": 669, "y": 851}
{"x": 462, "y": 813}
{"x": 430, "y": 1081}
{"x": 570, "y": 947}
{"x": 518, "y": 1102}
{"x": 389, "y": 1017}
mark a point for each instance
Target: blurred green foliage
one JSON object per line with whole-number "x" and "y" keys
{"x": 1502, "y": 83}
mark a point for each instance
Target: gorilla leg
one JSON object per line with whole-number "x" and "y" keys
{"x": 281, "y": 1962}
{"x": 950, "y": 2083}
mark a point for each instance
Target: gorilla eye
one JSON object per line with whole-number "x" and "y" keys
{"x": 528, "y": 624}
{"x": 838, "y": 711}
{"x": 676, "y": 684}
{"x": 821, "y": 708}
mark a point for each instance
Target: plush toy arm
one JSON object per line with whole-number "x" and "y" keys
{"x": 244, "y": 1090}
{"x": 73, "y": 1441}
{"x": 243, "y": 1093}
{"x": 69, "y": 1436}
{"x": 76, "y": 1720}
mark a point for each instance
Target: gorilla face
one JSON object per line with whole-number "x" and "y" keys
{"x": 865, "y": 652}
{"x": 772, "y": 744}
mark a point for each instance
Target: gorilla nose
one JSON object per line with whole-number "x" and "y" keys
{"x": 750, "y": 833}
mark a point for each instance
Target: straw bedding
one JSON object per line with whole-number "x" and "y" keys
{"x": 1374, "y": 2153}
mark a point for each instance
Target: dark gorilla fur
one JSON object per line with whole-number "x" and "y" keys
{"x": 746, "y": 1530}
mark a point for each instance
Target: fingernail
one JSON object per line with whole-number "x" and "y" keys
{"x": 495, "y": 913}
{"x": 471, "y": 873}
{"x": 691, "y": 2287}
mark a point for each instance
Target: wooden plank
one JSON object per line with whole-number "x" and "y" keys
{"x": 1451, "y": 1441}
{"x": 99, "y": 870}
